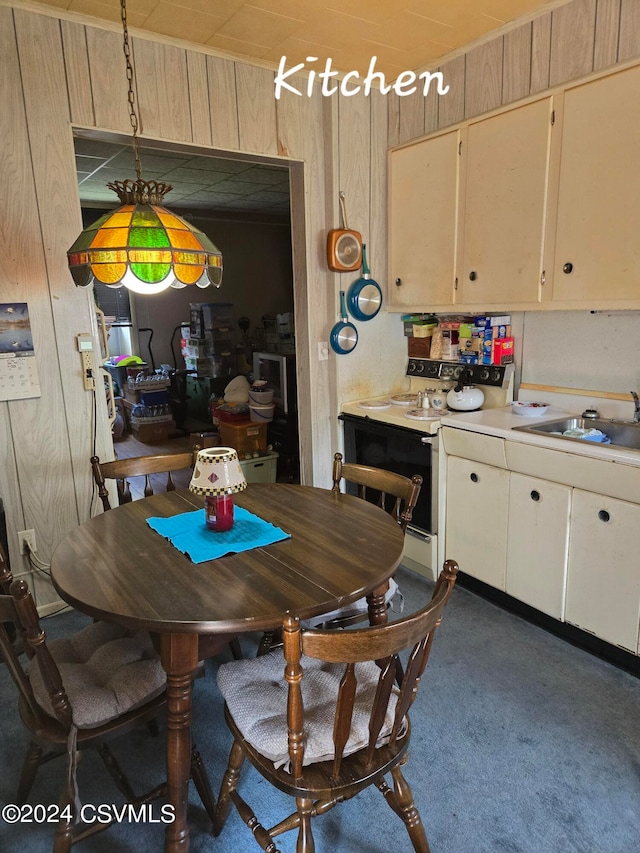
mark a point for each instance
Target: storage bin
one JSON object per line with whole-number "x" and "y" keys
{"x": 260, "y": 469}
{"x": 261, "y": 414}
{"x": 217, "y": 315}
{"x": 246, "y": 437}
{"x": 202, "y": 440}
{"x": 154, "y": 398}
{"x": 260, "y": 396}
{"x": 150, "y": 432}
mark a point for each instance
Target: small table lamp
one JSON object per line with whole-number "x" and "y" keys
{"x": 218, "y": 476}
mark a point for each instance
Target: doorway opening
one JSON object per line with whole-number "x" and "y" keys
{"x": 243, "y": 204}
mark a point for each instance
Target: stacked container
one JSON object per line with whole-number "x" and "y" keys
{"x": 261, "y": 405}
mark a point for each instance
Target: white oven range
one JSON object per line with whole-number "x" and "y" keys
{"x": 388, "y": 432}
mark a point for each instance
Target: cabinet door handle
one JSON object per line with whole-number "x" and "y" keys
{"x": 567, "y": 268}
{"x": 398, "y": 282}
{"x": 535, "y": 495}
{"x": 603, "y": 515}
{"x": 474, "y": 477}
{"x": 473, "y": 275}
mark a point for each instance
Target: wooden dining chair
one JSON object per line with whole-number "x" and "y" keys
{"x": 137, "y": 466}
{"x": 325, "y": 719}
{"x": 394, "y": 493}
{"x": 78, "y": 693}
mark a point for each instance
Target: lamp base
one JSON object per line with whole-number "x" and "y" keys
{"x": 219, "y": 512}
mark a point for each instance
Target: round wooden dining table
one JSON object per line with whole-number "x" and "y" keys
{"x": 115, "y": 567}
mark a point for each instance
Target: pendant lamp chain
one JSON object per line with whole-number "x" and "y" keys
{"x": 131, "y": 94}
{"x": 142, "y": 245}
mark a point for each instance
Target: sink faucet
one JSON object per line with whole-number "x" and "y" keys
{"x": 636, "y": 409}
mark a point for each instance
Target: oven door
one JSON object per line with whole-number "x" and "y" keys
{"x": 404, "y": 451}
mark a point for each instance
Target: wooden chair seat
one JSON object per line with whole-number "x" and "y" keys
{"x": 336, "y": 721}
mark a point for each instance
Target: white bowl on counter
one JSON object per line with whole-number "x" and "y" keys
{"x": 529, "y": 409}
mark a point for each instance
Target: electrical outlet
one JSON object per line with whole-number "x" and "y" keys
{"x": 88, "y": 370}
{"x": 28, "y": 536}
{"x": 84, "y": 342}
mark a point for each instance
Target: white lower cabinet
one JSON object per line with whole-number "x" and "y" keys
{"x": 537, "y": 543}
{"x": 570, "y": 553}
{"x": 603, "y": 580}
{"x": 476, "y": 521}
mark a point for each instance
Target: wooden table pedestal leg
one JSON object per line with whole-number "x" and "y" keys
{"x": 179, "y": 655}
{"x": 377, "y": 606}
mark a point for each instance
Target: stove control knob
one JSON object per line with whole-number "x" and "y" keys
{"x": 484, "y": 375}
{"x": 412, "y": 367}
{"x": 495, "y": 375}
{"x": 420, "y": 367}
{"x": 457, "y": 371}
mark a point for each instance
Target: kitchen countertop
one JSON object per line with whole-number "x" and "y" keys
{"x": 395, "y": 415}
{"x": 500, "y": 422}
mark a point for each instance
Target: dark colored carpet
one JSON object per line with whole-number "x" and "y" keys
{"x": 521, "y": 744}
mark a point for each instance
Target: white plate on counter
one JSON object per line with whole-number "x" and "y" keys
{"x": 529, "y": 409}
{"x": 423, "y": 414}
{"x": 403, "y": 399}
{"x": 374, "y": 405}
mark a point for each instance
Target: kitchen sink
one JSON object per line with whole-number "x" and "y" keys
{"x": 621, "y": 433}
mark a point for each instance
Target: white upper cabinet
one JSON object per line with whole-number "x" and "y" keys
{"x": 535, "y": 206}
{"x": 506, "y": 165}
{"x": 423, "y": 207}
{"x": 597, "y": 253}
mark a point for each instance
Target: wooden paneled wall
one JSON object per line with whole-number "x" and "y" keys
{"x": 569, "y": 42}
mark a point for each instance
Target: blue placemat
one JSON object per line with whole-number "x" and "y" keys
{"x": 189, "y": 534}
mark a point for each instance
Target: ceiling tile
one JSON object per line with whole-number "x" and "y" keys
{"x": 220, "y": 9}
{"x": 408, "y": 30}
{"x": 267, "y": 197}
{"x": 237, "y": 47}
{"x": 374, "y": 11}
{"x": 243, "y": 188}
{"x": 260, "y": 175}
{"x": 106, "y": 11}
{"x": 304, "y": 10}
{"x": 173, "y": 20}
{"x": 259, "y": 26}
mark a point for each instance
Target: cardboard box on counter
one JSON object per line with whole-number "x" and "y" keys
{"x": 503, "y": 351}
{"x": 471, "y": 344}
{"x": 502, "y": 331}
{"x": 419, "y": 347}
{"x": 491, "y": 322}
{"x": 411, "y": 320}
{"x": 423, "y": 330}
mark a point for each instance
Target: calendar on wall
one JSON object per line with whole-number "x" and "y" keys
{"x": 18, "y": 370}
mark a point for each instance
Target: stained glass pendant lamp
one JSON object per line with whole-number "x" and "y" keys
{"x": 142, "y": 245}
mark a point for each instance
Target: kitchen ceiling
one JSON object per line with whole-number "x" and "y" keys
{"x": 199, "y": 183}
{"x": 402, "y": 34}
